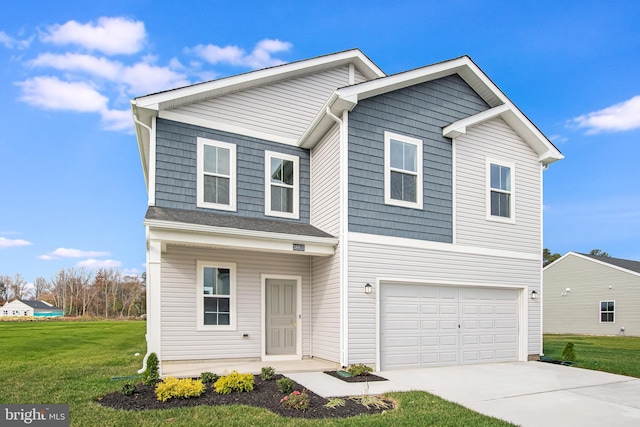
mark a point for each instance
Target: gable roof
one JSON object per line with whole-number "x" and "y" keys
{"x": 39, "y": 305}
{"x": 626, "y": 265}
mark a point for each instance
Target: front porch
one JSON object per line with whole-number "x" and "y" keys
{"x": 189, "y": 369}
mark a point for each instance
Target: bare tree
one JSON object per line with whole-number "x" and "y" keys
{"x": 5, "y": 283}
{"x": 40, "y": 285}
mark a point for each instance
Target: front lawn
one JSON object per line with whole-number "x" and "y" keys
{"x": 73, "y": 363}
{"x": 617, "y": 355}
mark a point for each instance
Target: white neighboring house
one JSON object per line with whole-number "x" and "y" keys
{"x": 30, "y": 308}
{"x": 591, "y": 295}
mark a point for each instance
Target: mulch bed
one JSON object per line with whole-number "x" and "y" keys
{"x": 357, "y": 379}
{"x": 265, "y": 394}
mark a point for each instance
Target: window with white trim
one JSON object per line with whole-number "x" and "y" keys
{"x": 216, "y": 181}
{"x": 216, "y": 296}
{"x": 282, "y": 185}
{"x": 500, "y": 191}
{"x": 607, "y": 311}
{"x": 403, "y": 178}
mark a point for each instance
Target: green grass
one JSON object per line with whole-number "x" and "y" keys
{"x": 73, "y": 363}
{"x": 617, "y": 355}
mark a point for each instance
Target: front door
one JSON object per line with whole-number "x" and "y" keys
{"x": 281, "y": 312}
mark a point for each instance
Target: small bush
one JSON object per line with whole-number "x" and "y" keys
{"x": 234, "y": 382}
{"x": 334, "y": 403}
{"x": 368, "y": 400}
{"x": 150, "y": 375}
{"x": 209, "y": 377}
{"x": 285, "y": 385}
{"x": 569, "y": 353}
{"x": 296, "y": 400}
{"x": 184, "y": 388}
{"x": 359, "y": 370}
{"x": 128, "y": 389}
{"x": 267, "y": 373}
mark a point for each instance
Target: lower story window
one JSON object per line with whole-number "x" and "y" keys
{"x": 216, "y": 305}
{"x": 607, "y": 311}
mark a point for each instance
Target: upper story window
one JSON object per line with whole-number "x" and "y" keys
{"x": 607, "y": 311}
{"x": 282, "y": 185}
{"x": 216, "y": 182}
{"x": 216, "y": 296}
{"x": 500, "y": 191}
{"x": 403, "y": 170}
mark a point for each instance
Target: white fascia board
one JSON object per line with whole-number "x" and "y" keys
{"x": 459, "y": 127}
{"x": 323, "y": 121}
{"x": 597, "y": 261}
{"x": 194, "y": 234}
{"x": 201, "y": 91}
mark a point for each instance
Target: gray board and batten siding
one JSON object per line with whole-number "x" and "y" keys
{"x": 420, "y": 111}
{"x": 176, "y": 145}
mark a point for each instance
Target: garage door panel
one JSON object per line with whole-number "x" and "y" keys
{"x": 422, "y": 325}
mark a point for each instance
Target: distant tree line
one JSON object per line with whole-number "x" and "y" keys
{"x": 79, "y": 292}
{"x": 548, "y": 257}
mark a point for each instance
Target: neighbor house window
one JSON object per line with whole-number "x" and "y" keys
{"x": 216, "y": 181}
{"x": 402, "y": 170}
{"x": 607, "y": 311}
{"x": 216, "y": 296}
{"x": 500, "y": 191}
{"x": 282, "y": 185}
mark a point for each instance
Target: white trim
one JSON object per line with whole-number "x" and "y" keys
{"x": 512, "y": 199}
{"x": 439, "y": 246}
{"x": 263, "y": 315}
{"x": 154, "y": 299}
{"x": 459, "y": 127}
{"x": 419, "y": 173}
{"x": 541, "y": 285}
{"x": 233, "y": 174}
{"x": 268, "y": 155}
{"x": 233, "y": 315}
{"x": 523, "y": 311}
{"x": 454, "y": 191}
{"x": 152, "y": 163}
{"x": 606, "y": 264}
{"x": 225, "y": 127}
{"x": 344, "y": 239}
{"x": 600, "y": 311}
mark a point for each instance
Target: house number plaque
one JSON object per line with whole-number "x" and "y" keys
{"x": 298, "y": 247}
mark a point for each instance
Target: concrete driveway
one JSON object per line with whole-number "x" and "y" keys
{"x": 524, "y": 393}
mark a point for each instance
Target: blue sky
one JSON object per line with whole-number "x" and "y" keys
{"x": 72, "y": 192}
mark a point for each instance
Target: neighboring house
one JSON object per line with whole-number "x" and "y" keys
{"x": 324, "y": 209}
{"x": 30, "y": 308}
{"x": 594, "y": 295}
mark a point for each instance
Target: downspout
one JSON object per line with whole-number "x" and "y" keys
{"x": 344, "y": 314}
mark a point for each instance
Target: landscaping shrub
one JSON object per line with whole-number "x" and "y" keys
{"x": 359, "y": 370}
{"x": 184, "y": 388}
{"x": 296, "y": 400}
{"x": 267, "y": 373}
{"x": 209, "y": 377}
{"x": 285, "y": 385}
{"x": 234, "y": 382}
{"x": 150, "y": 375}
{"x": 128, "y": 389}
{"x": 569, "y": 353}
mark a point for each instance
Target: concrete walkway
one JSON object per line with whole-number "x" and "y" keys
{"x": 525, "y": 393}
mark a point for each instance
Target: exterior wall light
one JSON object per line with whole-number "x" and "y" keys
{"x": 534, "y": 295}
{"x": 367, "y": 289}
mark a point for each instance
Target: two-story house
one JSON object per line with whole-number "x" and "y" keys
{"x": 324, "y": 209}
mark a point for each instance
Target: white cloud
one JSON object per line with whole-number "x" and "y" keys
{"x": 102, "y": 67}
{"x": 11, "y": 243}
{"x": 72, "y": 253}
{"x": 110, "y": 35}
{"x": 616, "y": 118}
{"x": 117, "y": 120}
{"x": 260, "y": 57}
{"x": 143, "y": 78}
{"x": 52, "y": 93}
{"x": 11, "y": 43}
{"x": 93, "y": 264}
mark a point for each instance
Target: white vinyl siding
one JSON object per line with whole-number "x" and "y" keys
{"x": 496, "y": 140}
{"x": 577, "y": 311}
{"x": 325, "y": 183}
{"x": 180, "y": 338}
{"x": 326, "y": 307}
{"x": 283, "y": 109}
{"x": 368, "y": 262}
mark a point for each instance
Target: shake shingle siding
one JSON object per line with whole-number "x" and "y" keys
{"x": 419, "y": 111}
{"x": 176, "y": 146}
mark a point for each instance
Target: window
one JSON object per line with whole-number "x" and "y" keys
{"x": 216, "y": 296}
{"x": 216, "y": 186}
{"x": 402, "y": 170}
{"x": 282, "y": 188}
{"x": 607, "y": 311}
{"x": 500, "y": 198}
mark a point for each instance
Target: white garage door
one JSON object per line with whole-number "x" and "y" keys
{"x": 423, "y": 325}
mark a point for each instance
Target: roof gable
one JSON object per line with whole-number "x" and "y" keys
{"x": 624, "y": 265}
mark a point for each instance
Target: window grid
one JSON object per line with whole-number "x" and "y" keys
{"x": 607, "y": 311}
{"x": 403, "y": 170}
{"x": 216, "y": 180}
{"x": 282, "y": 177}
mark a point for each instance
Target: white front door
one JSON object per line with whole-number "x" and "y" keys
{"x": 281, "y": 317}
